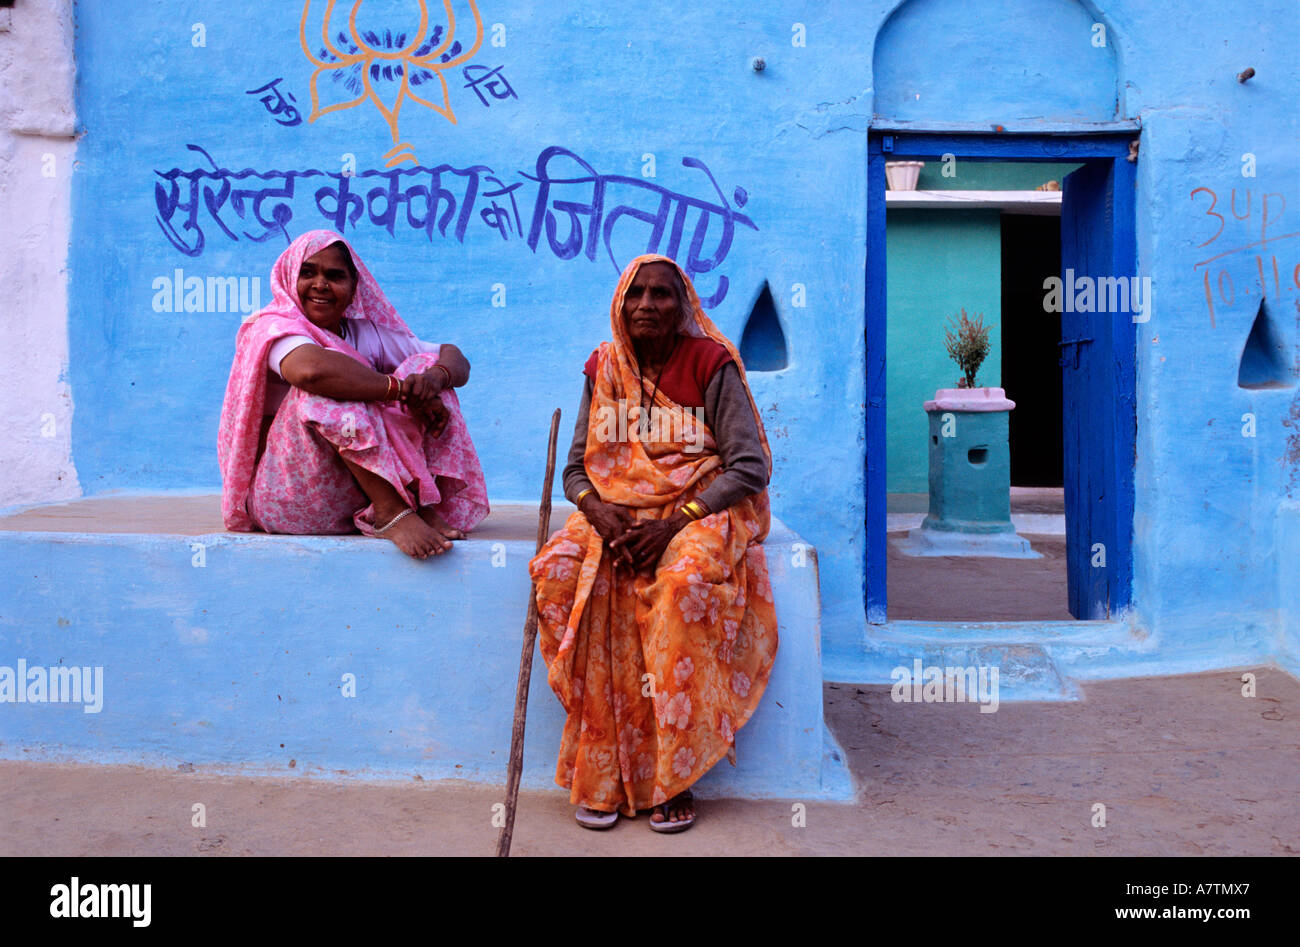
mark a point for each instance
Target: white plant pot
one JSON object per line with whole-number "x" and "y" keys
{"x": 970, "y": 399}
{"x": 902, "y": 175}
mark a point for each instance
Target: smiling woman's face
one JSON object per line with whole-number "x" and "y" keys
{"x": 326, "y": 287}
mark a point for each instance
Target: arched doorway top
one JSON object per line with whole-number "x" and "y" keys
{"x": 1022, "y": 62}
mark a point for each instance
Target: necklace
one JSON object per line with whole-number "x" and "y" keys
{"x": 658, "y": 375}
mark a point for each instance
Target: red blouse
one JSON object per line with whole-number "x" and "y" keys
{"x": 692, "y": 366}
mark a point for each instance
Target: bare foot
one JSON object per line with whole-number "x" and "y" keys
{"x": 413, "y": 536}
{"x": 441, "y": 525}
{"x": 680, "y": 808}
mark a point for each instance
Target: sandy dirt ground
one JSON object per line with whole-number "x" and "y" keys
{"x": 980, "y": 588}
{"x": 1183, "y": 765}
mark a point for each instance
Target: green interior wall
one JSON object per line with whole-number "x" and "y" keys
{"x": 939, "y": 262}
{"x": 992, "y": 175}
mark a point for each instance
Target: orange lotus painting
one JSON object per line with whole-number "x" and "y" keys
{"x": 387, "y": 62}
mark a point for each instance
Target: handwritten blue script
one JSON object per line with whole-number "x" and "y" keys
{"x": 570, "y": 194}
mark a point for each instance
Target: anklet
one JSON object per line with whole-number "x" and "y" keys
{"x": 393, "y": 522}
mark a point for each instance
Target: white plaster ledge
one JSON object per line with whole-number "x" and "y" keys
{"x": 1042, "y": 203}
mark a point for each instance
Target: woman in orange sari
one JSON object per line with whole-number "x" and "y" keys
{"x": 655, "y": 611}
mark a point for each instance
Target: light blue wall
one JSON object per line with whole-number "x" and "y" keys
{"x": 612, "y": 87}
{"x": 1043, "y": 48}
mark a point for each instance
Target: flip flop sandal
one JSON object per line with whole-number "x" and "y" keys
{"x": 679, "y": 826}
{"x": 591, "y": 819}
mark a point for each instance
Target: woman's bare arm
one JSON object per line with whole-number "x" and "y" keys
{"x": 333, "y": 375}
{"x": 455, "y": 362}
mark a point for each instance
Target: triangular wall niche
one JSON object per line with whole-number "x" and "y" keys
{"x": 762, "y": 344}
{"x": 1263, "y": 361}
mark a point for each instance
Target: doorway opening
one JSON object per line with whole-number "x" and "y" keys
{"x": 1031, "y": 372}
{"x": 1070, "y": 439}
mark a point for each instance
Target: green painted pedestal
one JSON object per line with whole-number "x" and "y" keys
{"x": 970, "y": 479}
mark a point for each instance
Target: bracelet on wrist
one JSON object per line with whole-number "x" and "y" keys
{"x": 694, "y": 510}
{"x": 582, "y": 495}
{"x": 394, "y": 389}
{"x": 446, "y": 371}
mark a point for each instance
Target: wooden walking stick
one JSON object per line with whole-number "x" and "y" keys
{"x": 516, "y": 765}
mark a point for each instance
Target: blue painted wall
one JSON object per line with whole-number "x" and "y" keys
{"x": 976, "y": 53}
{"x": 147, "y": 384}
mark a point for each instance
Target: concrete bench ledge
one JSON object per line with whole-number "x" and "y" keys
{"x": 240, "y": 652}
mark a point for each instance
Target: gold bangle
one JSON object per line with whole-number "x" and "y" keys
{"x": 695, "y": 510}
{"x": 578, "y": 502}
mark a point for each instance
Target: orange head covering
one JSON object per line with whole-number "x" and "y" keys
{"x": 626, "y": 375}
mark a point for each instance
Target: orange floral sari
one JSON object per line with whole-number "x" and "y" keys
{"x": 656, "y": 673}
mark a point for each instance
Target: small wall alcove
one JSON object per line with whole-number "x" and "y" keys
{"x": 762, "y": 343}
{"x": 1262, "y": 358}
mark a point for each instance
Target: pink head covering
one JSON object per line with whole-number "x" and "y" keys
{"x": 369, "y": 302}
{"x": 241, "y": 413}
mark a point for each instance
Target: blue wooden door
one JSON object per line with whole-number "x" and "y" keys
{"x": 1097, "y": 387}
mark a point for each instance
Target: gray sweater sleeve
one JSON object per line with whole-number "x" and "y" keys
{"x": 575, "y": 472}
{"x": 728, "y": 415}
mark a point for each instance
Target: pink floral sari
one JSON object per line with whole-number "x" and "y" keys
{"x": 299, "y": 482}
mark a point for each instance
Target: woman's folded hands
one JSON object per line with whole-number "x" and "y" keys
{"x": 646, "y": 541}
{"x": 634, "y": 545}
{"x": 422, "y": 395}
{"x": 610, "y": 521}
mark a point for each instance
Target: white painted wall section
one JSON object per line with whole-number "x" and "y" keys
{"x": 37, "y": 159}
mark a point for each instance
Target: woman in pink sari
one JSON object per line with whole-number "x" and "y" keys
{"x": 337, "y": 418}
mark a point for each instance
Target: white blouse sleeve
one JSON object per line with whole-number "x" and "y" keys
{"x": 282, "y": 347}
{"x": 391, "y": 348}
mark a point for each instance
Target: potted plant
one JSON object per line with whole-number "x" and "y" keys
{"x": 902, "y": 175}
{"x": 970, "y": 460}
{"x": 968, "y": 345}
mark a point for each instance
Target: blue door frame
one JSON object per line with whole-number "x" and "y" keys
{"x": 1107, "y": 446}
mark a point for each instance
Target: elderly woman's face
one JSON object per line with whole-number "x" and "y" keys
{"x": 326, "y": 287}
{"x": 650, "y": 308}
